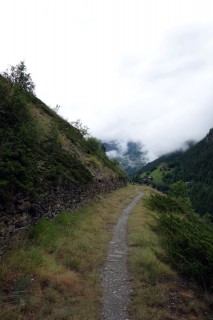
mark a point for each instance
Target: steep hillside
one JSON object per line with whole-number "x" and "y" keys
{"x": 194, "y": 166}
{"x": 45, "y": 163}
{"x": 39, "y": 148}
{"x": 197, "y": 169}
{"x": 170, "y": 158}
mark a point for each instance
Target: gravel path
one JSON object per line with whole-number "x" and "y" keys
{"x": 115, "y": 284}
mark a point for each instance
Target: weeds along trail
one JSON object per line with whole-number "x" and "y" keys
{"x": 54, "y": 273}
{"x": 159, "y": 292}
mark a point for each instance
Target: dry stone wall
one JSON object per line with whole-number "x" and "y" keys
{"x": 23, "y": 212}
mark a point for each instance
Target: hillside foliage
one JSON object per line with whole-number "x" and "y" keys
{"x": 194, "y": 166}
{"x": 33, "y": 148}
{"x": 18, "y": 75}
{"x": 186, "y": 236}
{"x": 31, "y": 158}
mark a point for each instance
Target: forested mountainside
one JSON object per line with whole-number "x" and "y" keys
{"x": 194, "y": 166}
{"x": 40, "y": 149}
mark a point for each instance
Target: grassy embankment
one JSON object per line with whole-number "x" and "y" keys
{"x": 159, "y": 292}
{"x": 55, "y": 272}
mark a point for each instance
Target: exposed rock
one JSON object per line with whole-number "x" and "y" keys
{"x": 23, "y": 211}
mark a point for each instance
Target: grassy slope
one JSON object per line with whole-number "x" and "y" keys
{"x": 40, "y": 149}
{"x": 55, "y": 272}
{"x": 64, "y": 256}
{"x": 157, "y": 176}
{"x": 168, "y": 158}
{"x": 159, "y": 293}
{"x": 193, "y": 166}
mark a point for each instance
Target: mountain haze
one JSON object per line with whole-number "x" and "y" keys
{"x": 130, "y": 156}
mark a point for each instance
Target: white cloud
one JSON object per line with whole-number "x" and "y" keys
{"x": 131, "y": 70}
{"x": 112, "y": 154}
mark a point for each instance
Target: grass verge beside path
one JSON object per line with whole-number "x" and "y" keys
{"x": 55, "y": 272}
{"x": 158, "y": 292}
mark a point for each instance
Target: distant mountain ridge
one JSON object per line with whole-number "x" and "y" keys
{"x": 130, "y": 158}
{"x": 194, "y": 166}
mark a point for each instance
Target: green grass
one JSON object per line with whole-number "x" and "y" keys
{"x": 54, "y": 273}
{"x": 186, "y": 237}
{"x": 39, "y": 149}
{"x": 92, "y": 160}
{"x": 154, "y": 281}
{"x": 58, "y": 265}
{"x": 146, "y": 268}
{"x": 157, "y": 175}
{"x": 143, "y": 175}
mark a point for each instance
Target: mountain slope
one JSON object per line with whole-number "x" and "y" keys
{"x": 39, "y": 149}
{"x": 197, "y": 169}
{"x": 194, "y": 166}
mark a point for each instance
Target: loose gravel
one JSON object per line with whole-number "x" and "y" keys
{"x": 115, "y": 283}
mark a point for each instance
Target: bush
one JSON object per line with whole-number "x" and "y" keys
{"x": 94, "y": 145}
{"x": 186, "y": 236}
{"x": 32, "y": 158}
{"x": 18, "y": 76}
{"x": 189, "y": 245}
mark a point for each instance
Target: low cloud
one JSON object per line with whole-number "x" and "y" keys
{"x": 130, "y": 70}
{"x": 113, "y": 154}
{"x": 173, "y": 97}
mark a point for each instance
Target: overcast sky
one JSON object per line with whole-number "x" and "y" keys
{"x": 137, "y": 70}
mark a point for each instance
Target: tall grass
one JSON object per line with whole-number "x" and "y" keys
{"x": 187, "y": 237}
{"x": 55, "y": 272}
{"x": 158, "y": 291}
{"x": 145, "y": 264}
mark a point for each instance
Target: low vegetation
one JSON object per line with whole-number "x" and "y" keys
{"x": 157, "y": 250}
{"x": 186, "y": 236}
{"x": 39, "y": 148}
{"x": 54, "y": 272}
{"x": 193, "y": 166}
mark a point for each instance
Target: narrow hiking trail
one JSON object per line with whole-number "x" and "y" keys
{"x": 115, "y": 283}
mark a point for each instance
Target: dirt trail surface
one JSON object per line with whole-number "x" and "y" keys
{"x": 115, "y": 284}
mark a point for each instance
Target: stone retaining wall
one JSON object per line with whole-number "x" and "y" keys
{"x": 24, "y": 211}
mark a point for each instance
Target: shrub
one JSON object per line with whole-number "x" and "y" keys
{"x": 18, "y": 76}
{"x": 186, "y": 236}
{"x": 189, "y": 244}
